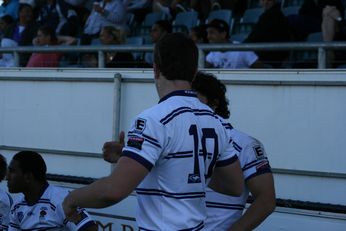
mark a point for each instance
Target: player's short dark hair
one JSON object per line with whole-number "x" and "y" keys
{"x": 214, "y": 90}
{"x": 31, "y": 162}
{"x": 176, "y": 56}
{"x": 3, "y": 167}
{"x": 165, "y": 25}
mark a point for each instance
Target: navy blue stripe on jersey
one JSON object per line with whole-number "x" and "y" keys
{"x": 182, "y": 110}
{"x": 157, "y": 192}
{"x": 13, "y": 225}
{"x": 198, "y": 227}
{"x": 236, "y": 146}
{"x": 218, "y": 205}
{"x": 227, "y": 126}
{"x": 4, "y": 227}
{"x": 188, "y": 93}
{"x": 226, "y": 162}
{"x": 43, "y": 228}
{"x": 146, "y": 138}
{"x": 186, "y": 154}
{"x": 139, "y": 159}
{"x": 144, "y": 229}
{"x": 254, "y": 163}
{"x": 10, "y": 199}
{"x": 260, "y": 172}
{"x": 40, "y": 201}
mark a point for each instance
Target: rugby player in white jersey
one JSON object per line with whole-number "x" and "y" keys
{"x": 171, "y": 150}
{"x": 40, "y": 206}
{"x": 226, "y": 212}
{"x": 5, "y": 198}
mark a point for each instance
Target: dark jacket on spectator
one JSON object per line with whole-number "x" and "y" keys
{"x": 272, "y": 26}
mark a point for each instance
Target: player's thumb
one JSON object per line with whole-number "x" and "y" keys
{"x": 122, "y": 137}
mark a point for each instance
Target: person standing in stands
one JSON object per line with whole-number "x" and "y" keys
{"x": 271, "y": 27}
{"x": 40, "y": 206}
{"x": 165, "y": 157}
{"x": 218, "y": 33}
{"x": 159, "y": 29}
{"x": 5, "y": 198}
{"x": 226, "y": 212}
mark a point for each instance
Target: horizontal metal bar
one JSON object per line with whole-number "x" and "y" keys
{"x": 204, "y": 47}
{"x": 52, "y": 151}
{"x": 309, "y": 173}
{"x": 57, "y": 79}
{"x": 287, "y": 203}
{"x": 99, "y": 155}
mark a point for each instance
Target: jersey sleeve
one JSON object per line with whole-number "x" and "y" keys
{"x": 4, "y": 213}
{"x": 229, "y": 155}
{"x": 85, "y": 221}
{"x": 145, "y": 141}
{"x": 13, "y": 219}
{"x": 254, "y": 160}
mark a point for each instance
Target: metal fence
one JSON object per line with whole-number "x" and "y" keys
{"x": 320, "y": 47}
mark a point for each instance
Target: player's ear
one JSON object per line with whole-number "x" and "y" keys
{"x": 156, "y": 71}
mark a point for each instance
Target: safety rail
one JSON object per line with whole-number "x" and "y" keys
{"x": 321, "y": 47}
{"x": 286, "y": 203}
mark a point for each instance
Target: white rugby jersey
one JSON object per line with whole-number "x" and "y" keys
{"x": 46, "y": 214}
{"x": 5, "y": 206}
{"x": 168, "y": 140}
{"x": 224, "y": 210}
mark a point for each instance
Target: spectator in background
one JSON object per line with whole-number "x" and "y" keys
{"x": 5, "y": 198}
{"x": 26, "y": 28}
{"x": 110, "y": 35}
{"x": 254, "y": 162}
{"x": 46, "y": 36}
{"x": 7, "y": 59}
{"x": 199, "y": 34}
{"x": 271, "y": 27}
{"x": 27, "y": 175}
{"x": 6, "y": 25}
{"x": 104, "y": 13}
{"x": 158, "y": 30}
{"x": 309, "y": 18}
{"x": 139, "y": 8}
{"x": 218, "y": 32}
{"x": 334, "y": 29}
{"x": 9, "y": 7}
{"x": 59, "y": 15}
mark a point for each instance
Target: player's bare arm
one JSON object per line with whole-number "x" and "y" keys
{"x": 112, "y": 150}
{"x": 263, "y": 192}
{"x": 228, "y": 179}
{"x": 108, "y": 190}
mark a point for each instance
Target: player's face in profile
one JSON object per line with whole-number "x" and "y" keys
{"x": 15, "y": 178}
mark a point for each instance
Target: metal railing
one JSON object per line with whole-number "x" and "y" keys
{"x": 321, "y": 47}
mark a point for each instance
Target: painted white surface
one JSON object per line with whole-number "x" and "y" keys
{"x": 302, "y": 126}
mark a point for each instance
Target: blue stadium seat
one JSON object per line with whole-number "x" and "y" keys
{"x": 188, "y": 19}
{"x": 136, "y": 40}
{"x": 225, "y": 15}
{"x": 289, "y": 10}
{"x": 152, "y": 17}
{"x": 251, "y": 15}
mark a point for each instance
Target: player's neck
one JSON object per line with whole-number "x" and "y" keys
{"x": 34, "y": 193}
{"x": 166, "y": 87}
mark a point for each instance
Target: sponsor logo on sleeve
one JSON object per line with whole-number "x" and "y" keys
{"x": 135, "y": 142}
{"x": 140, "y": 125}
{"x": 259, "y": 152}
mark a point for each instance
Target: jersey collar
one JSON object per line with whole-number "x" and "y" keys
{"x": 189, "y": 93}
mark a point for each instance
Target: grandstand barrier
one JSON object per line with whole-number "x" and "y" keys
{"x": 321, "y": 47}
